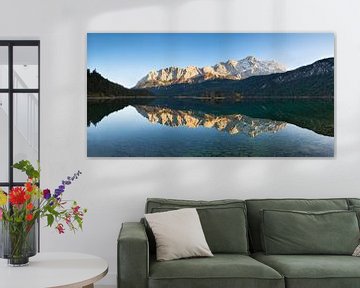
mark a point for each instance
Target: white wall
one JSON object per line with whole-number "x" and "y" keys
{"x": 114, "y": 190}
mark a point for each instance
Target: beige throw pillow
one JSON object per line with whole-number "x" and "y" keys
{"x": 178, "y": 234}
{"x": 357, "y": 251}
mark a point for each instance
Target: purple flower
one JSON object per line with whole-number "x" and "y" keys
{"x": 58, "y": 192}
{"x": 46, "y": 194}
{"x": 64, "y": 183}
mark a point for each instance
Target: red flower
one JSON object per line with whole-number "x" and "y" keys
{"x": 29, "y": 206}
{"x": 29, "y": 186}
{"x": 60, "y": 228}
{"x": 27, "y": 196}
{"x": 68, "y": 219}
{"x": 75, "y": 209}
{"x": 29, "y": 217}
{"x": 17, "y": 196}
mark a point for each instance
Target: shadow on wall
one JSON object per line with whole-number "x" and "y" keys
{"x": 157, "y": 175}
{"x": 185, "y": 174}
{"x": 123, "y": 181}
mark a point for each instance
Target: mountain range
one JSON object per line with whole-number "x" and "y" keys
{"x": 231, "y": 69}
{"x": 246, "y": 78}
{"x": 314, "y": 80}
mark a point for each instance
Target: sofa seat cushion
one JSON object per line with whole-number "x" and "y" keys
{"x": 222, "y": 270}
{"x": 313, "y": 271}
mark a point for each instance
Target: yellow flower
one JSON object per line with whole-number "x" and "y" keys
{"x": 3, "y": 198}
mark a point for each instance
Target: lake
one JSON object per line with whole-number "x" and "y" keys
{"x": 188, "y": 127}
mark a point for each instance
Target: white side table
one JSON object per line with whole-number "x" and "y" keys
{"x": 50, "y": 270}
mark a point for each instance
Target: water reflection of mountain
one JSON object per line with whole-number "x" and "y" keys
{"x": 97, "y": 110}
{"x": 232, "y": 124}
{"x": 316, "y": 115}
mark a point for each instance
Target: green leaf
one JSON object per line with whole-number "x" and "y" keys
{"x": 51, "y": 210}
{"x": 79, "y": 221}
{"x": 26, "y": 167}
{"x": 50, "y": 219}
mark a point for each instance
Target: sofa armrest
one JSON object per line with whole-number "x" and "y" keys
{"x": 133, "y": 256}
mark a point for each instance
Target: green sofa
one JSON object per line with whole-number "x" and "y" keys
{"x": 233, "y": 231}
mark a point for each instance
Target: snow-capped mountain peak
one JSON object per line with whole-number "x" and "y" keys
{"x": 231, "y": 69}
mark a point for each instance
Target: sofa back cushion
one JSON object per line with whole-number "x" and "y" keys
{"x": 354, "y": 205}
{"x": 298, "y": 232}
{"x": 353, "y": 201}
{"x": 223, "y": 221}
{"x": 255, "y": 206}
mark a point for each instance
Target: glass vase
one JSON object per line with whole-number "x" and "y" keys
{"x": 18, "y": 242}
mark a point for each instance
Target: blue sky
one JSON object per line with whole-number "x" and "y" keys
{"x": 127, "y": 57}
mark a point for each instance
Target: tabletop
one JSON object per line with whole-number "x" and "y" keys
{"x": 50, "y": 270}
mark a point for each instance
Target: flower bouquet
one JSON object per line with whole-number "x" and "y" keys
{"x": 21, "y": 208}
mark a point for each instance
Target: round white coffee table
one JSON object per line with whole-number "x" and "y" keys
{"x": 60, "y": 270}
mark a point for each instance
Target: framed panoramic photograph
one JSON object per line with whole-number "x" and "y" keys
{"x": 210, "y": 94}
